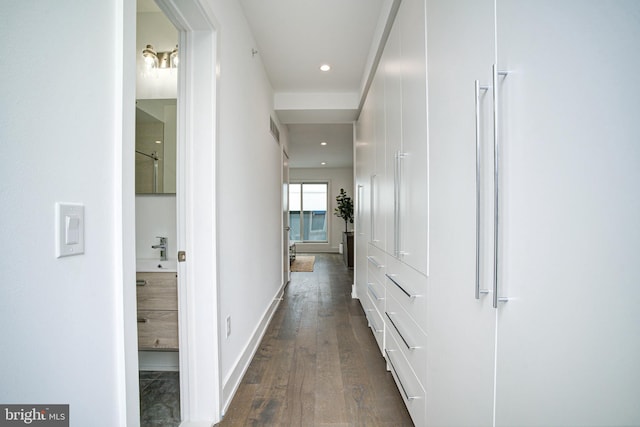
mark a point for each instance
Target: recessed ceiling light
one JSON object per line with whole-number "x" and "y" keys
{"x": 325, "y": 67}
{"x": 158, "y": 142}
{"x": 323, "y": 163}
{"x": 323, "y": 143}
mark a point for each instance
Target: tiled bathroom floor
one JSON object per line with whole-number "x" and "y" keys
{"x": 159, "y": 399}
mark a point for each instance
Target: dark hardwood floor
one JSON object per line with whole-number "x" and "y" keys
{"x": 318, "y": 364}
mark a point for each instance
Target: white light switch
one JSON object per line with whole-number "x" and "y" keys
{"x": 69, "y": 229}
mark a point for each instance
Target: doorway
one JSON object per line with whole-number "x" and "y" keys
{"x": 195, "y": 216}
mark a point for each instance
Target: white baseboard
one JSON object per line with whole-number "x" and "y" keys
{"x": 232, "y": 382}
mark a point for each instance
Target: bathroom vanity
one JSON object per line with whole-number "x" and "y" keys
{"x": 157, "y": 310}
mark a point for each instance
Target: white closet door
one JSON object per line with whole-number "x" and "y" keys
{"x": 569, "y": 336}
{"x": 412, "y": 173}
{"x": 461, "y": 328}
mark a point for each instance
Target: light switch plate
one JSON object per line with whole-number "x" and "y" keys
{"x": 69, "y": 229}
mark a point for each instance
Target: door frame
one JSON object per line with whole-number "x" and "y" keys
{"x": 200, "y": 385}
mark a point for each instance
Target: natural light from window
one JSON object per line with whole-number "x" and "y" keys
{"x": 310, "y": 199}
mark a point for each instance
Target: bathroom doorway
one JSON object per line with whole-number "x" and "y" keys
{"x": 195, "y": 207}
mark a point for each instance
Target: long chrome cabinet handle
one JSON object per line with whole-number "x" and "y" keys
{"x": 409, "y": 346}
{"x": 404, "y": 390}
{"x": 375, "y": 262}
{"x": 395, "y": 282}
{"x": 396, "y": 204}
{"x": 496, "y": 176}
{"x": 397, "y": 196}
{"x": 373, "y": 292}
{"x": 359, "y": 209}
{"x": 478, "y": 88}
{"x": 372, "y": 214}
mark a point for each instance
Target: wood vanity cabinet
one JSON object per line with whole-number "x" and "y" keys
{"x": 157, "y": 311}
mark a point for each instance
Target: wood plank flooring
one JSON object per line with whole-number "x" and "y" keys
{"x": 318, "y": 364}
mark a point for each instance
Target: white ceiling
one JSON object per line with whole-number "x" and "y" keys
{"x": 295, "y": 37}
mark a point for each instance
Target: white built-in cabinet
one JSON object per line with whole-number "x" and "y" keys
{"x": 523, "y": 186}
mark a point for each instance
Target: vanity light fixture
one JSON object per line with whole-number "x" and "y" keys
{"x": 153, "y": 59}
{"x": 325, "y": 67}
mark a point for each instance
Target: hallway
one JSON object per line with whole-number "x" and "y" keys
{"x": 318, "y": 363}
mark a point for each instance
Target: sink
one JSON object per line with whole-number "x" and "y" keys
{"x": 154, "y": 265}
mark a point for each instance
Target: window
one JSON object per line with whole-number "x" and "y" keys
{"x": 308, "y": 212}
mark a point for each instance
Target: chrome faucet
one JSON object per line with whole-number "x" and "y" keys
{"x": 163, "y": 248}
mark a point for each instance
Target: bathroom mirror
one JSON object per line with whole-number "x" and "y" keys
{"x": 156, "y": 146}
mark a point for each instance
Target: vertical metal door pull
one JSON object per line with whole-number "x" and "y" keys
{"x": 496, "y": 185}
{"x": 478, "y": 88}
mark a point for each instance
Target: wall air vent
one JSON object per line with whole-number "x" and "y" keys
{"x": 274, "y": 129}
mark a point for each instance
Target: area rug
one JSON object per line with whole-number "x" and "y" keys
{"x": 303, "y": 264}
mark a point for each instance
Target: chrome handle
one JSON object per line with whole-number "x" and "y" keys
{"x": 395, "y": 371}
{"x": 410, "y": 347}
{"x": 373, "y": 261}
{"x": 143, "y": 320}
{"x": 373, "y": 292}
{"x": 359, "y": 209}
{"x": 397, "y": 185}
{"x": 141, "y": 282}
{"x": 496, "y": 176}
{"x": 390, "y": 277}
{"x": 478, "y": 88}
{"x": 372, "y": 214}
{"x": 372, "y": 324}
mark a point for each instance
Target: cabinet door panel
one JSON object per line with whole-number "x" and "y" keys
{"x": 460, "y": 329}
{"x": 568, "y": 345}
{"x": 413, "y": 188}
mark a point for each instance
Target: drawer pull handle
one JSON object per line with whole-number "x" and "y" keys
{"x": 143, "y": 320}
{"x": 390, "y": 277}
{"x": 373, "y": 325}
{"x": 373, "y": 261}
{"x": 141, "y": 282}
{"x": 404, "y": 390}
{"x": 373, "y": 292}
{"x": 410, "y": 347}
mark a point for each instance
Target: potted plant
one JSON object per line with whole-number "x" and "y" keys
{"x": 344, "y": 210}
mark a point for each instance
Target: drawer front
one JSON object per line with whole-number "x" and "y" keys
{"x": 411, "y": 339}
{"x": 375, "y": 263}
{"x": 409, "y": 288}
{"x": 376, "y": 293}
{"x": 377, "y": 326}
{"x": 410, "y": 387}
{"x": 158, "y": 330}
{"x": 157, "y": 291}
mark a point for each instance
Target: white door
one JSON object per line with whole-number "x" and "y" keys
{"x": 411, "y": 170}
{"x": 461, "y": 328}
{"x": 569, "y": 335}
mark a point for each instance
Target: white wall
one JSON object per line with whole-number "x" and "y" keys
{"x": 62, "y": 338}
{"x": 337, "y": 178}
{"x": 249, "y": 199}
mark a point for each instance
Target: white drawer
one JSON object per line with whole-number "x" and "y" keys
{"x": 376, "y": 324}
{"x": 376, "y": 293}
{"x": 410, "y": 387}
{"x": 375, "y": 263}
{"x": 412, "y": 340}
{"x": 409, "y": 287}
